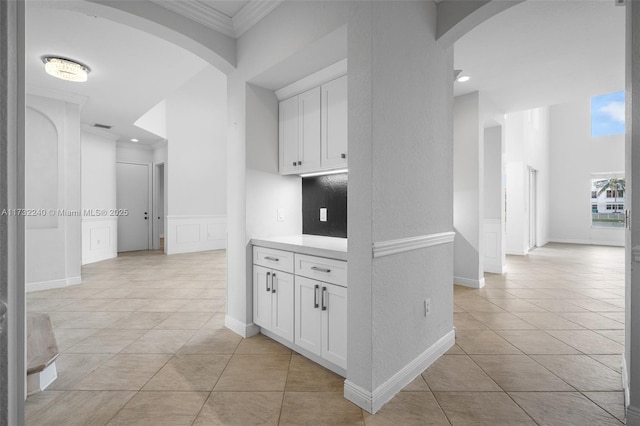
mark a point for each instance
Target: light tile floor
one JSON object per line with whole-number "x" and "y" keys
{"x": 143, "y": 343}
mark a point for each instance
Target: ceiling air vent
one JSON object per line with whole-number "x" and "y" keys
{"x": 101, "y": 126}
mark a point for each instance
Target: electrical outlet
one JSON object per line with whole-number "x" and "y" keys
{"x": 323, "y": 214}
{"x": 427, "y": 307}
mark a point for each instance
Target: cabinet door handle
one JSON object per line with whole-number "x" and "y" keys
{"x": 299, "y": 163}
{"x": 274, "y": 281}
{"x": 325, "y": 270}
{"x": 315, "y": 296}
{"x": 324, "y": 306}
{"x": 294, "y": 163}
{"x": 343, "y": 155}
{"x": 267, "y": 280}
{"x": 275, "y": 259}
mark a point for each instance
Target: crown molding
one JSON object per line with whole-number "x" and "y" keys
{"x": 251, "y": 13}
{"x": 201, "y": 12}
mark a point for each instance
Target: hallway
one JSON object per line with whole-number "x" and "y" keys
{"x": 142, "y": 341}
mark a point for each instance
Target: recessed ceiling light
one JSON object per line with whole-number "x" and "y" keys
{"x": 134, "y": 140}
{"x": 463, "y": 78}
{"x": 66, "y": 69}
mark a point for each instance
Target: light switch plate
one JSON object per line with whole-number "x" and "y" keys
{"x": 323, "y": 214}
{"x": 280, "y": 215}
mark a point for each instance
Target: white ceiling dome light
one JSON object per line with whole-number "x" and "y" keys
{"x": 66, "y": 69}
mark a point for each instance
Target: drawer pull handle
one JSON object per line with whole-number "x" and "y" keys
{"x": 315, "y": 296}
{"x": 325, "y": 270}
{"x": 267, "y": 280}
{"x": 324, "y": 306}
{"x": 273, "y": 283}
{"x": 275, "y": 259}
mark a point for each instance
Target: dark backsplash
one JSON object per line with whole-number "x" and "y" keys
{"x": 330, "y": 192}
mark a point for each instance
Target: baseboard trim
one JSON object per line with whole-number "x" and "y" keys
{"x": 633, "y": 416}
{"x": 625, "y": 382}
{"x": 517, "y": 252}
{"x": 238, "y": 327}
{"x": 94, "y": 259}
{"x": 50, "y": 285}
{"x": 469, "y": 282}
{"x": 373, "y": 401}
{"x": 494, "y": 269}
{"x": 587, "y": 242}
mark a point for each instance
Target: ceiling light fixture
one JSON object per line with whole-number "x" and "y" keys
{"x": 134, "y": 140}
{"x": 66, "y": 69}
{"x": 463, "y": 78}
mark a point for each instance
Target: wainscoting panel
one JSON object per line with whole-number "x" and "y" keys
{"x": 493, "y": 257}
{"x": 99, "y": 239}
{"x": 187, "y": 234}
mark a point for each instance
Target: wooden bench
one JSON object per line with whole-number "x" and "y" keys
{"x": 42, "y": 351}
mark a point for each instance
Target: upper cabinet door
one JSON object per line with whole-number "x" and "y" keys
{"x": 334, "y": 134}
{"x": 309, "y": 130}
{"x": 289, "y": 136}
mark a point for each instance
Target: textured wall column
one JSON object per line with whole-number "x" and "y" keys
{"x": 12, "y": 279}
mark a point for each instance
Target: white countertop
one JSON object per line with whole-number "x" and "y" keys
{"x": 314, "y": 245}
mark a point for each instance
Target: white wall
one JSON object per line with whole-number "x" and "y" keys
{"x": 130, "y": 153}
{"x": 98, "y": 192}
{"x": 155, "y": 120}
{"x": 53, "y": 241}
{"x": 267, "y": 190}
{"x": 494, "y": 254}
{"x": 575, "y": 155}
{"x": 196, "y": 158}
{"x": 468, "y": 190}
{"x": 526, "y": 136}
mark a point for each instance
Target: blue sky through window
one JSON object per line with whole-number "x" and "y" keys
{"x": 607, "y": 114}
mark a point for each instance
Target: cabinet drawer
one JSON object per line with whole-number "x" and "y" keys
{"x": 322, "y": 269}
{"x": 272, "y": 258}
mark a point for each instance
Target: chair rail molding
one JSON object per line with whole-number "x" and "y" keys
{"x": 387, "y": 248}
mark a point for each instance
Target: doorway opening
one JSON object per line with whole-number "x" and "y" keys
{"x": 159, "y": 207}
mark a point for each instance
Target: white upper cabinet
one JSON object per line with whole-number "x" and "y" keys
{"x": 313, "y": 129}
{"x": 334, "y": 124}
{"x": 309, "y": 130}
{"x": 288, "y": 127}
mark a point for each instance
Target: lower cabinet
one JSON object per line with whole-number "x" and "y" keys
{"x": 273, "y": 301}
{"x": 303, "y": 300}
{"x": 321, "y": 319}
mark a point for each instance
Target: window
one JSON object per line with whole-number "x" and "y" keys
{"x": 604, "y": 190}
{"x": 614, "y": 194}
{"x": 607, "y": 114}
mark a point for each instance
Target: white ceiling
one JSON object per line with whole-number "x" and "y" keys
{"x": 131, "y": 71}
{"x": 544, "y": 52}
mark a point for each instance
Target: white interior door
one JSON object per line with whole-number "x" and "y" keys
{"x": 133, "y": 195}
